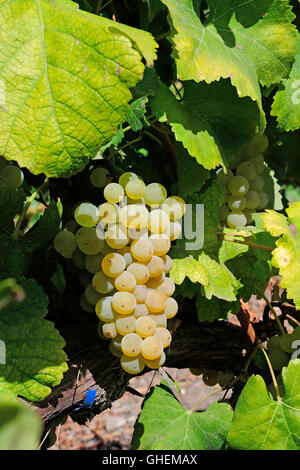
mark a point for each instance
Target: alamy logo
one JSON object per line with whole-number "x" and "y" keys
{"x": 296, "y": 347}
{"x": 2, "y": 352}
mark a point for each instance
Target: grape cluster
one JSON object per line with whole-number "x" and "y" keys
{"x": 212, "y": 377}
{"x": 243, "y": 185}
{"x": 11, "y": 173}
{"x": 280, "y": 348}
{"x": 121, "y": 251}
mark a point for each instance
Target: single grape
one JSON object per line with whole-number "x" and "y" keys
{"x": 156, "y": 301}
{"x": 113, "y": 264}
{"x": 155, "y": 194}
{"x": 151, "y": 348}
{"x": 116, "y": 236}
{"x": 104, "y": 310}
{"x": 88, "y": 240}
{"x": 65, "y": 244}
{"x": 140, "y": 272}
{"x": 134, "y": 216}
{"x": 113, "y": 192}
{"x": 156, "y": 363}
{"x": 142, "y": 249}
{"x": 13, "y": 174}
{"x": 135, "y": 188}
{"x": 93, "y": 263}
{"x": 236, "y": 219}
{"x": 257, "y": 183}
{"x": 210, "y": 377}
{"x": 258, "y": 163}
{"x": 85, "y": 305}
{"x": 140, "y": 293}
{"x": 91, "y": 295}
{"x": 115, "y": 352}
{"x": 131, "y": 345}
{"x": 161, "y": 243}
{"x": 260, "y": 142}
{"x": 252, "y": 199}
{"x": 86, "y": 214}
{"x": 109, "y": 330}
{"x": 175, "y": 207}
{"x": 145, "y": 326}
{"x": 264, "y": 200}
{"x": 158, "y": 221}
{"x": 108, "y": 213}
{"x": 238, "y": 186}
{"x": 223, "y": 178}
{"x": 126, "y": 177}
{"x": 132, "y": 365}
{"x": 99, "y": 177}
{"x": 167, "y": 287}
{"x": 126, "y": 253}
{"x": 171, "y": 308}
{"x": 140, "y": 310}
{"x": 124, "y": 303}
{"x": 78, "y": 259}
{"x": 164, "y": 336}
{"x": 196, "y": 371}
{"x": 155, "y": 266}
{"x": 160, "y": 319}
{"x": 225, "y": 378}
{"x": 236, "y": 203}
{"x": 248, "y": 152}
{"x": 168, "y": 263}
{"x": 125, "y": 324}
{"x": 102, "y": 283}
{"x": 125, "y": 282}
{"x": 247, "y": 170}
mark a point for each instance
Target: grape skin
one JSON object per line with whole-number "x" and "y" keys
{"x": 132, "y": 365}
{"x": 151, "y": 348}
{"x": 65, "y": 244}
{"x": 125, "y": 282}
{"x": 131, "y": 345}
{"x": 86, "y": 214}
{"x": 113, "y": 264}
{"x": 145, "y": 326}
{"x": 142, "y": 249}
{"x": 114, "y": 192}
{"x": 124, "y": 302}
{"x": 88, "y": 241}
{"x": 102, "y": 283}
{"x": 99, "y": 177}
{"x": 238, "y": 186}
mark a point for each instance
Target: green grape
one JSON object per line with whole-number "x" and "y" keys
{"x": 252, "y": 200}
{"x": 93, "y": 263}
{"x": 131, "y": 345}
{"x": 156, "y": 363}
{"x": 109, "y": 213}
{"x": 171, "y": 308}
{"x": 175, "y": 207}
{"x": 258, "y": 163}
{"x": 135, "y": 188}
{"x": 161, "y": 243}
{"x": 278, "y": 358}
{"x": 155, "y": 194}
{"x": 224, "y": 211}
{"x": 113, "y": 350}
{"x": 226, "y": 193}
{"x": 65, "y": 243}
{"x": 158, "y": 221}
{"x": 210, "y": 377}
{"x": 235, "y": 163}
{"x": 116, "y": 342}
{"x": 102, "y": 283}
{"x": 91, "y": 295}
{"x": 86, "y": 214}
{"x": 78, "y": 259}
{"x": 151, "y": 347}
{"x": 248, "y": 152}
{"x": 113, "y": 192}
{"x": 238, "y": 186}
{"x": 104, "y": 310}
{"x": 236, "y": 219}
{"x": 142, "y": 249}
{"x": 140, "y": 272}
{"x": 99, "y": 177}
{"x": 125, "y": 282}
{"x": 273, "y": 343}
{"x": 107, "y": 249}
{"x": 126, "y": 177}
{"x": 264, "y": 200}
{"x": 85, "y": 305}
{"x": 225, "y": 378}
{"x": 124, "y": 303}
{"x": 196, "y": 371}
{"x": 247, "y": 170}
{"x": 125, "y": 324}
{"x": 249, "y": 215}
{"x": 89, "y": 241}
{"x": 14, "y": 174}
{"x": 223, "y": 178}
{"x": 164, "y": 336}
{"x": 261, "y": 143}
{"x": 156, "y": 301}
{"x": 113, "y": 264}
{"x": 132, "y": 365}
{"x": 155, "y": 266}
{"x": 236, "y": 203}
{"x": 109, "y": 330}
{"x": 257, "y": 183}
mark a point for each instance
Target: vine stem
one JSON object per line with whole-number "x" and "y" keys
{"x": 292, "y": 319}
{"x": 28, "y": 203}
{"x": 272, "y": 310}
{"x": 271, "y": 372}
{"x": 241, "y": 242}
{"x": 204, "y": 398}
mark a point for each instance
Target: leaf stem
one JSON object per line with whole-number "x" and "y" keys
{"x": 271, "y": 372}
{"x": 272, "y": 310}
{"x": 241, "y": 242}
{"x": 194, "y": 407}
{"x": 28, "y": 203}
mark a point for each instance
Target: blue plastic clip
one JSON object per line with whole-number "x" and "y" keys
{"x": 88, "y": 400}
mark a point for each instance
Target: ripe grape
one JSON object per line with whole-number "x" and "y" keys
{"x": 136, "y": 233}
{"x": 109, "y": 330}
{"x": 174, "y": 230}
{"x": 113, "y": 192}
{"x": 140, "y": 272}
{"x": 134, "y": 216}
{"x": 158, "y": 221}
{"x": 151, "y": 348}
{"x": 175, "y": 207}
{"x": 99, "y": 177}
{"x": 156, "y": 301}
{"x": 168, "y": 263}
{"x": 116, "y": 236}
{"x": 108, "y": 213}
{"x": 236, "y": 203}
{"x": 102, "y": 283}
{"x": 155, "y": 282}
{"x": 156, "y": 363}
{"x": 236, "y": 219}
{"x": 104, "y": 310}
{"x": 210, "y": 377}
{"x": 164, "y": 336}
{"x": 155, "y": 194}
{"x": 142, "y": 249}
{"x": 126, "y": 253}
{"x": 160, "y": 320}
{"x": 252, "y": 199}
{"x": 125, "y": 324}
{"x": 13, "y": 174}
{"x": 260, "y": 142}
{"x": 238, "y": 186}
{"x": 113, "y": 264}
{"x": 131, "y": 345}
{"x": 126, "y": 177}
{"x": 140, "y": 310}
{"x": 78, "y": 259}
{"x": 161, "y": 243}
{"x": 125, "y": 282}
{"x": 225, "y": 378}
{"x": 88, "y": 240}
{"x": 124, "y": 303}
{"x": 65, "y": 244}
{"x": 155, "y": 266}
{"x": 135, "y": 188}
{"x": 145, "y": 326}
{"x": 247, "y": 170}
{"x": 223, "y": 178}
{"x": 171, "y": 308}
{"x": 86, "y": 214}
{"x": 132, "y": 365}
{"x": 93, "y": 263}
{"x": 167, "y": 287}
{"x": 258, "y": 163}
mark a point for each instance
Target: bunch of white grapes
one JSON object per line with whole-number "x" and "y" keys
{"x": 10, "y": 173}
{"x": 121, "y": 250}
{"x": 243, "y": 185}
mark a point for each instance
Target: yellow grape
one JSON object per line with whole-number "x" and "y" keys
{"x": 156, "y": 301}
{"x": 126, "y": 177}
{"x": 125, "y": 324}
{"x": 171, "y": 308}
{"x": 126, "y": 253}
{"x": 124, "y": 303}
{"x": 164, "y": 336}
{"x": 140, "y": 272}
{"x": 134, "y": 216}
{"x": 86, "y": 214}
{"x": 174, "y": 230}
{"x": 140, "y": 311}
{"x": 132, "y": 365}
{"x": 155, "y": 194}
{"x": 142, "y": 249}
{"x": 113, "y": 192}
{"x": 104, "y": 310}
{"x": 145, "y": 326}
{"x": 131, "y": 344}
{"x": 156, "y": 363}
{"x": 168, "y": 263}
{"x": 155, "y": 266}
{"x": 167, "y": 287}
{"x": 125, "y": 282}
{"x": 155, "y": 282}
{"x": 158, "y": 221}
{"x": 140, "y": 293}
{"x": 109, "y": 330}
{"x": 161, "y": 243}
{"x": 113, "y": 264}
{"x": 135, "y": 188}
{"x": 109, "y": 213}
{"x": 160, "y": 320}
{"x": 175, "y": 207}
{"x": 116, "y": 236}
{"x": 151, "y": 348}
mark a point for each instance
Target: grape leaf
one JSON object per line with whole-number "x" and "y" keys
{"x": 272, "y": 188}
{"x": 286, "y": 105}
{"x": 66, "y": 75}
{"x": 20, "y": 428}
{"x": 214, "y": 309}
{"x": 238, "y": 41}
{"x": 260, "y": 423}
{"x": 136, "y": 115}
{"x": 164, "y": 424}
{"x": 286, "y": 255}
{"x": 148, "y": 86}
{"x": 215, "y": 278}
{"x": 35, "y": 359}
{"x": 210, "y": 133}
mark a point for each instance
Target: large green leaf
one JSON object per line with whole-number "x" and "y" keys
{"x": 247, "y": 42}
{"x": 164, "y": 424}
{"x": 205, "y": 121}
{"x": 286, "y": 105}
{"x": 35, "y": 359}
{"x": 260, "y": 423}
{"x": 286, "y": 256}
{"x": 66, "y": 75}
